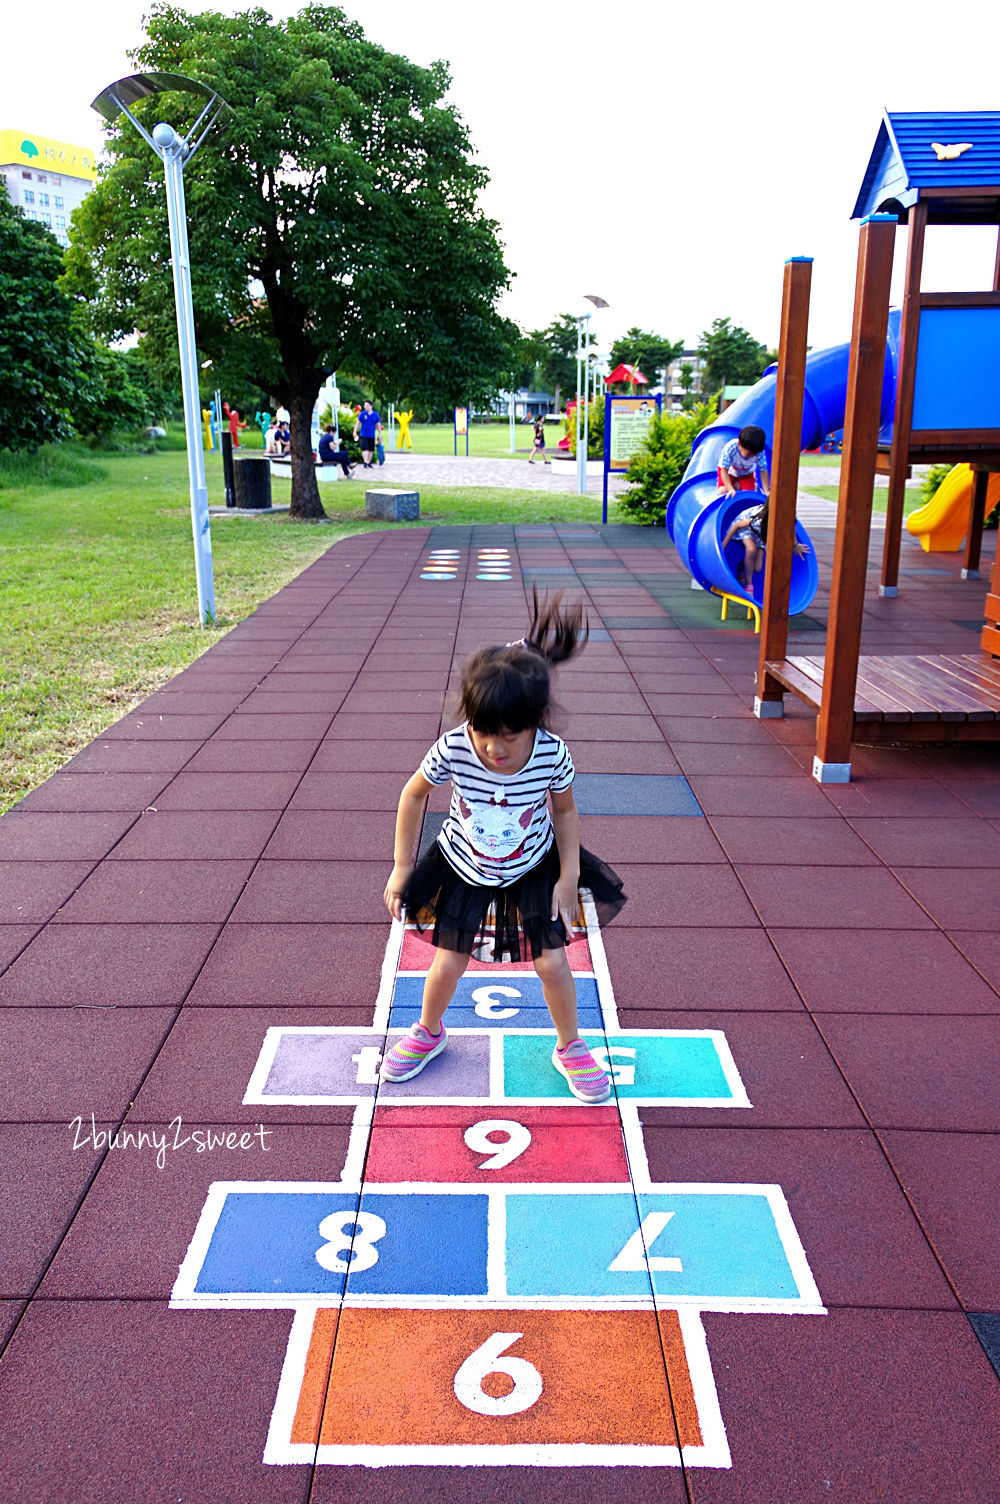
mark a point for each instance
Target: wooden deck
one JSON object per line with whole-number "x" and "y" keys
{"x": 909, "y": 699}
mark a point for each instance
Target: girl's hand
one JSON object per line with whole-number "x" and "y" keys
{"x": 801, "y": 549}
{"x": 565, "y": 900}
{"x": 393, "y": 895}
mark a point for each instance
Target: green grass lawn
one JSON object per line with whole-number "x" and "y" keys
{"x": 97, "y": 590}
{"x": 826, "y": 460}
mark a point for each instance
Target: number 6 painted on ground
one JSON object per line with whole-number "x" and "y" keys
{"x": 487, "y": 1359}
{"x": 477, "y": 1138}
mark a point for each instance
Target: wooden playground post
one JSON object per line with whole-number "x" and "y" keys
{"x": 791, "y": 381}
{"x": 835, "y": 725}
{"x": 977, "y": 516}
{"x": 906, "y": 369}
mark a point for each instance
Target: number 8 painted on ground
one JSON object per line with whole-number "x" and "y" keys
{"x": 487, "y": 1359}
{"x": 353, "y": 1234}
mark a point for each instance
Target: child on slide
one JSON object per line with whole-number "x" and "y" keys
{"x": 503, "y": 863}
{"x": 742, "y": 467}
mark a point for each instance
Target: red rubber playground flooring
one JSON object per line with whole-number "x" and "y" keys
{"x": 766, "y": 1272}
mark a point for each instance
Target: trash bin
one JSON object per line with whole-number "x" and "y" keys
{"x": 252, "y": 475}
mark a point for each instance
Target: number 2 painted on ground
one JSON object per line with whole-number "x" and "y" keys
{"x": 478, "y": 1140}
{"x": 488, "y": 1359}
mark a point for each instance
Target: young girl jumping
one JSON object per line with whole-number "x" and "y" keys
{"x": 502, "y": 862}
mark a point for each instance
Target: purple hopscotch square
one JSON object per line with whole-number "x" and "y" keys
{"x": 317, "y": 1064}
{"x": 463, "y": 1070}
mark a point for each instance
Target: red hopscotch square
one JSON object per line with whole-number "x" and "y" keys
{"x": 497, "y": 1145}
{"x": 417, "y": 953}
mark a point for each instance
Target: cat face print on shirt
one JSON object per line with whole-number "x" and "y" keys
{"x": 495, "y": 830}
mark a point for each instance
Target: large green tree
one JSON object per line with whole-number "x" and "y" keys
{"x": 554, "y": 350}
{"x": 732, "y": 356}
{"x": 39, "y": 351}
{"x": 333, "y": 220}
{"x": 650, "y": 352}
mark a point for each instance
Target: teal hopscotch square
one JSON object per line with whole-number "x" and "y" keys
{"x": 647, "y": 1065}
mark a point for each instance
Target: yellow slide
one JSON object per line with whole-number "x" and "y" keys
{"x": 942, "y": 524}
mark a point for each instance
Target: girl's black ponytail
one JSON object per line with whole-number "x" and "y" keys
{"x": 556, "y": 634}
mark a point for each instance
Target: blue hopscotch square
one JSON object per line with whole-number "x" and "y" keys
{"x": 432, "y": 1245}
{"x": 509, "y": 1002}
{"x": 635, "y": 794}
{"x": 265, "y": 1243}
{"x": 727, "y": 1246}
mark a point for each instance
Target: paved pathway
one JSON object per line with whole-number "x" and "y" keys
{"x": 413, "y": 469}
{"x": 767, "y": 1272}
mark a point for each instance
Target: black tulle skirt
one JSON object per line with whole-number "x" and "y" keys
{"x": 496, "y": 924}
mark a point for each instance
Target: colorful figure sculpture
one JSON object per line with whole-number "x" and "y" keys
{"x": 263, "y": 421}
{"x": 206, "y": 418}
{"x": 235, "y": 423}
{"x": 403, "y": 419}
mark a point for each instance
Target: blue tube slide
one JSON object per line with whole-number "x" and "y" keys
{"x": 698, "y": 516}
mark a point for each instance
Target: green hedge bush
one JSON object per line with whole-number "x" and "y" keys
{"x": 656, "y": 470}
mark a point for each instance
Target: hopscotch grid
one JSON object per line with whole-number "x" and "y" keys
{"x": 713, "y": 1452}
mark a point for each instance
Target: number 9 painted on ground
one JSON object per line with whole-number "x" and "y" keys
{"x": 478, "y": 1140}
{"x": 488, "y": 1359}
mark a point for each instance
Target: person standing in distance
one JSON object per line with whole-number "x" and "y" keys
{"x": 369, "y": 425}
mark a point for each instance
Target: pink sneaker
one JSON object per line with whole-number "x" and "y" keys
{"x": 410, "y": 1054}
{"x": 587, "y": 1079}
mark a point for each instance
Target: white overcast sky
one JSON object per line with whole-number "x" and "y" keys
{"x": 668, "y": 157}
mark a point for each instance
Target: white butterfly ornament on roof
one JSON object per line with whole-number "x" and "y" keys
{"x": 949, "y": 153}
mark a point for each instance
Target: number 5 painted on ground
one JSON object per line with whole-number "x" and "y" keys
{"x": 621, "y": 1075}
{"x": 487, "y": 1359}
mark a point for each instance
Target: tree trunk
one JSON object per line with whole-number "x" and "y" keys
{"x": 306, "y": 505}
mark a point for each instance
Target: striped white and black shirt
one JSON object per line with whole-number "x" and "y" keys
{"x": 499, "y": 826}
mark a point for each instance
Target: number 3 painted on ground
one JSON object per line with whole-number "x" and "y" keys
{"x": 487, "y": 1001}
{"x": 477, "y": 1138}
{"x": 486, "y": 1360}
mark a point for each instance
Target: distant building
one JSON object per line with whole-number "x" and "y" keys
{"x": 673, "y": 391}
{"x": 527, "y": 404}
{"x": 46, "y": 179}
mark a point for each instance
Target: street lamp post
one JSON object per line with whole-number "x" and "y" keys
{"x": 174, "y": 152}
{"x": 583, "y": 431}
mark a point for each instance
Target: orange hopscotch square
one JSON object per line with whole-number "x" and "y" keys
{"x": 599, "y": 1379}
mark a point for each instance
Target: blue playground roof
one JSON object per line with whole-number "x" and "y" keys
{"x": 917, "y": 149}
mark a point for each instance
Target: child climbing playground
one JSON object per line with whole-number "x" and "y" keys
{"x": 741, "y": 466}
{"x": 503, "y": 866}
